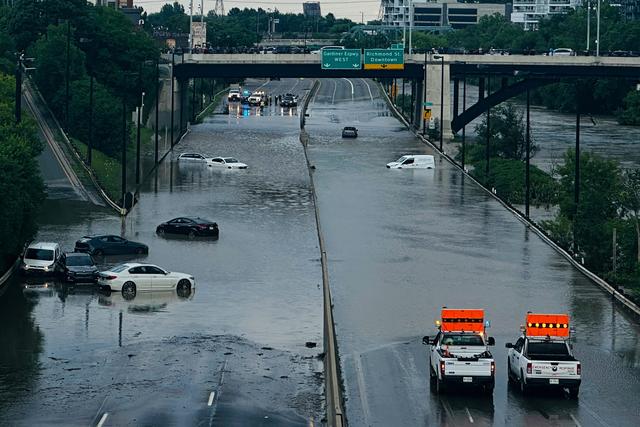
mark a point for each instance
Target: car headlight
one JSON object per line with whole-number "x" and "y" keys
{"x": 46, "y": 268}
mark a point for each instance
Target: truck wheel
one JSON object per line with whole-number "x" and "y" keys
{"x": 439, "y": 386}
{"x": 573, "y": 392}
{"x": 524, "y": 388}
{"x": 488, "y": 388}
{"x": 509, "y": 374}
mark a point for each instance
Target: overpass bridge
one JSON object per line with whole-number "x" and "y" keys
{"x": 431, "y": 76}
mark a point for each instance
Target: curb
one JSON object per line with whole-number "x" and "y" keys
{"x": 9, "y": 273}
{"x": 626, "y": 302}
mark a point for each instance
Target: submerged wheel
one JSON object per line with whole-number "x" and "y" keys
{"x": 524, "y": 388}
{"x": 129, "y": 290}
{"x": 183, "y": 288}
{"x": 509, "y": 374}
{"x": 573, "y": 392}
{"x": 98, "y": 252}
{"x": 192, "y": 234}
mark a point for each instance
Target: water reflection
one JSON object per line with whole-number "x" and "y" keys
{"x": 22, "y": 343}
{"x": 144, "y": 302}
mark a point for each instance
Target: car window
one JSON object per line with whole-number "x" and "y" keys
{"x": 408, "y": 162}
{"x": 119, "y": 268}
{"x": 135, "y": 270}
{"x": 230, "y": 160}
{"x": 462, "y": 339}
{"x": 552, "y": 349}
{"x": 39, "y": 254}
{"x": 519, "y": 344}
{"x": 217, "y": 160}
{"x": 154, "y": 270}
{"x": 77, "y": 260}
{"x": 116, "y": 239}
{"x": 104, "y": 239}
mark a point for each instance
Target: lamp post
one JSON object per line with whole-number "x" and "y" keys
{"x": 441, "y": 58}
{"x": 424, "y": 95}
{"x": 410, "y": 25}
{"x": 598, "y": 31}
{"x": 67, "y": 77}
{"x": 155, "y": 158}
{"x": 588, "y": 24}
{"x": 173, "y": 65}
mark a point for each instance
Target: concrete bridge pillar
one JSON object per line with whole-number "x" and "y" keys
{"x": 433, "y": 76}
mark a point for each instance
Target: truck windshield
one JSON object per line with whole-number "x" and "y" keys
{"x": 462, "y": 339}
{"x": 547, "y": 350}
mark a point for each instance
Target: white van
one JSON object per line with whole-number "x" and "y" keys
{"x": 422, "y": 161}
{"x": 41, "y": 258}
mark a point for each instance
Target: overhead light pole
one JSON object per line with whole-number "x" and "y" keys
{"x": 441, "y": 58}
{"x": 598, "y": 31}
{"x": 588, "y": 24}
{"x": 410, "y": 25}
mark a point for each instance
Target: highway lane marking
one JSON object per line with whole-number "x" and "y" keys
{"x": 363, "y": 390}
{"x": 592, "y": 413}
{"x": 211, "y": 397}
{"x": 368, "y": 87}
{"x": 449, "y": 411}
{"x": 335, "y": 88}
{"x": 575, "y": 420}
{"x": 352, "y": 87}
{"x": 469, "y": 415}
{"x": 103, "y": 419}
{"x": 317, "y": 92}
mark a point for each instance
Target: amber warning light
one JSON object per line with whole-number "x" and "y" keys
{"x": 551, "y": 325}
{"x": 461, "y": 320}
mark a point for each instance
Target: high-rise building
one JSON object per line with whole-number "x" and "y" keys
{"x": 311, "y": 9}
{"x": 530, "y": 12}
{"x": 630, "y": 9}
{"x": 441, "y": 13}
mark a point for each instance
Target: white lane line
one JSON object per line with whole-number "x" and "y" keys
{"x": 575, "y": 420}
{"x": 469, "y": 415}
{"x": 363, "y": 390}
{"x": 103, "y": 419}
{"x": 318, "y": 92}
{"x": 592, "y": 413}
{"x": 352, "y": 88}
{"x": 335, "y": 88}
{"x": 211, "y": 397}
{"x": 368, "y": 87}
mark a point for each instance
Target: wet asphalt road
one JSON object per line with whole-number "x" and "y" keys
{"x": 76, "y": 354}
{"x": 402, "y": 244}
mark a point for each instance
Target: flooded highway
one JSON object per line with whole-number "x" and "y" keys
{"x": 403, "y": 243}
{"x": 246, "y": 347}
{"x": 243, "y": 349}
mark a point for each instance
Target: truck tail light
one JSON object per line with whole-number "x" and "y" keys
{"x": 579, "y": 369}
{"x": 442, "y": 368}
{"x": 493, "y": 368}
{"x": 529, "y": 368}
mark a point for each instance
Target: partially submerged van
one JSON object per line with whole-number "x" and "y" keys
{"x": 41, "y": 258}
{"x": 421, "y": 161}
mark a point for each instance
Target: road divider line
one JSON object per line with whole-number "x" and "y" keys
{"x": 103, "y": 419}
{"x": 335, "y": 88}
{"x": 363, "y": 391}
{"x": 211, "y": 397}
{"x": 573, "y": 418}
{"x": 469, "y": 415}
{"x": 353, "y": 89}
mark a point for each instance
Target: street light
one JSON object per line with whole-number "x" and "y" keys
{"x": 441, "y": 57}
{"x": 598, "y": 31}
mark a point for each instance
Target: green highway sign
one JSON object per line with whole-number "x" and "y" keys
{"x": 428, "y": 104}
{"x": 383, "y": 59}
{"x": 341, "y": 59}
{"x": 397, "y": 46}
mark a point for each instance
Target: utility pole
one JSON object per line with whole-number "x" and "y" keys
{"x": 598, "y": 31}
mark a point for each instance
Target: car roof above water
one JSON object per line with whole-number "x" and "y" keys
{"x": 44, "y": 245}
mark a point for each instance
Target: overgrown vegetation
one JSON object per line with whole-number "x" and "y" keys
{"x": 21, "y": 186}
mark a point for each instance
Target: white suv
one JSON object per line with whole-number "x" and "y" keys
{"x": 41, "y": 258}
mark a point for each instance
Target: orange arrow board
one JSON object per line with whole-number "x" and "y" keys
{"x": 543, "y": 325}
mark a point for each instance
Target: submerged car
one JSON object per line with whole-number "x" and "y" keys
{"x": 108, "y": 244}
{"x": 42, "y": 258}
{"x": 191, "y": 227}
{"x": 78, "y": 267}
{"x": 225, "y": 162}
{"x": 349, "y": 132}
{"x": 131, "y": 278}
{"x": 192, "y": 157}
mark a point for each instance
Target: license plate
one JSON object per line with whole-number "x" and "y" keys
{"x": 210, "y": 228}
{"x": 554, "y": 381}
{"x": 467, "y": 379}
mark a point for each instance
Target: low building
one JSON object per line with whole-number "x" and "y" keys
{"x": 530, "y": 12}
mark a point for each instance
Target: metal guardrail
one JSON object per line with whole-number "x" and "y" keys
{"x": 333, "y": 391}
{"x": 617, "y": 295}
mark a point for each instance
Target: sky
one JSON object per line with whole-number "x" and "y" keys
{"x": 352, "y": 9}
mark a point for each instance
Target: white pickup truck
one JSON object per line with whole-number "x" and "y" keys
{"x": 459, "y": 353}
{"x": 542, "y": 357}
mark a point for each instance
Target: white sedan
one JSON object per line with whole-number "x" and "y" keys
{"x": 132, "y": 278}
{"x": 225, "y": 163}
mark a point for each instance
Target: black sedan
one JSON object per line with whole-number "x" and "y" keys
{"x": 189, "y": 226}
{"x": 108, "y": 244}
{"x": 78, "y": 267}
{"x": 349, "y": 132}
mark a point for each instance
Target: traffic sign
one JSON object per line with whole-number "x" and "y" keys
{"x": 397, "y": 46}
{"x": 427, "y": 114}
{"x": 341, "y": 59}
{"x": 383, "y": 59}
{"x": 428, "y": 104}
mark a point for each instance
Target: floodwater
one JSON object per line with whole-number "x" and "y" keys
{"x": 404, "y": 243}
{"x": 244, "y": 348}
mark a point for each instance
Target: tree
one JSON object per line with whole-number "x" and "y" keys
{"x": 508, "y": 134}
{"x": 630, "y": 114}
{"x": 21, "y": 186}
{"x": 601, "y": 198}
